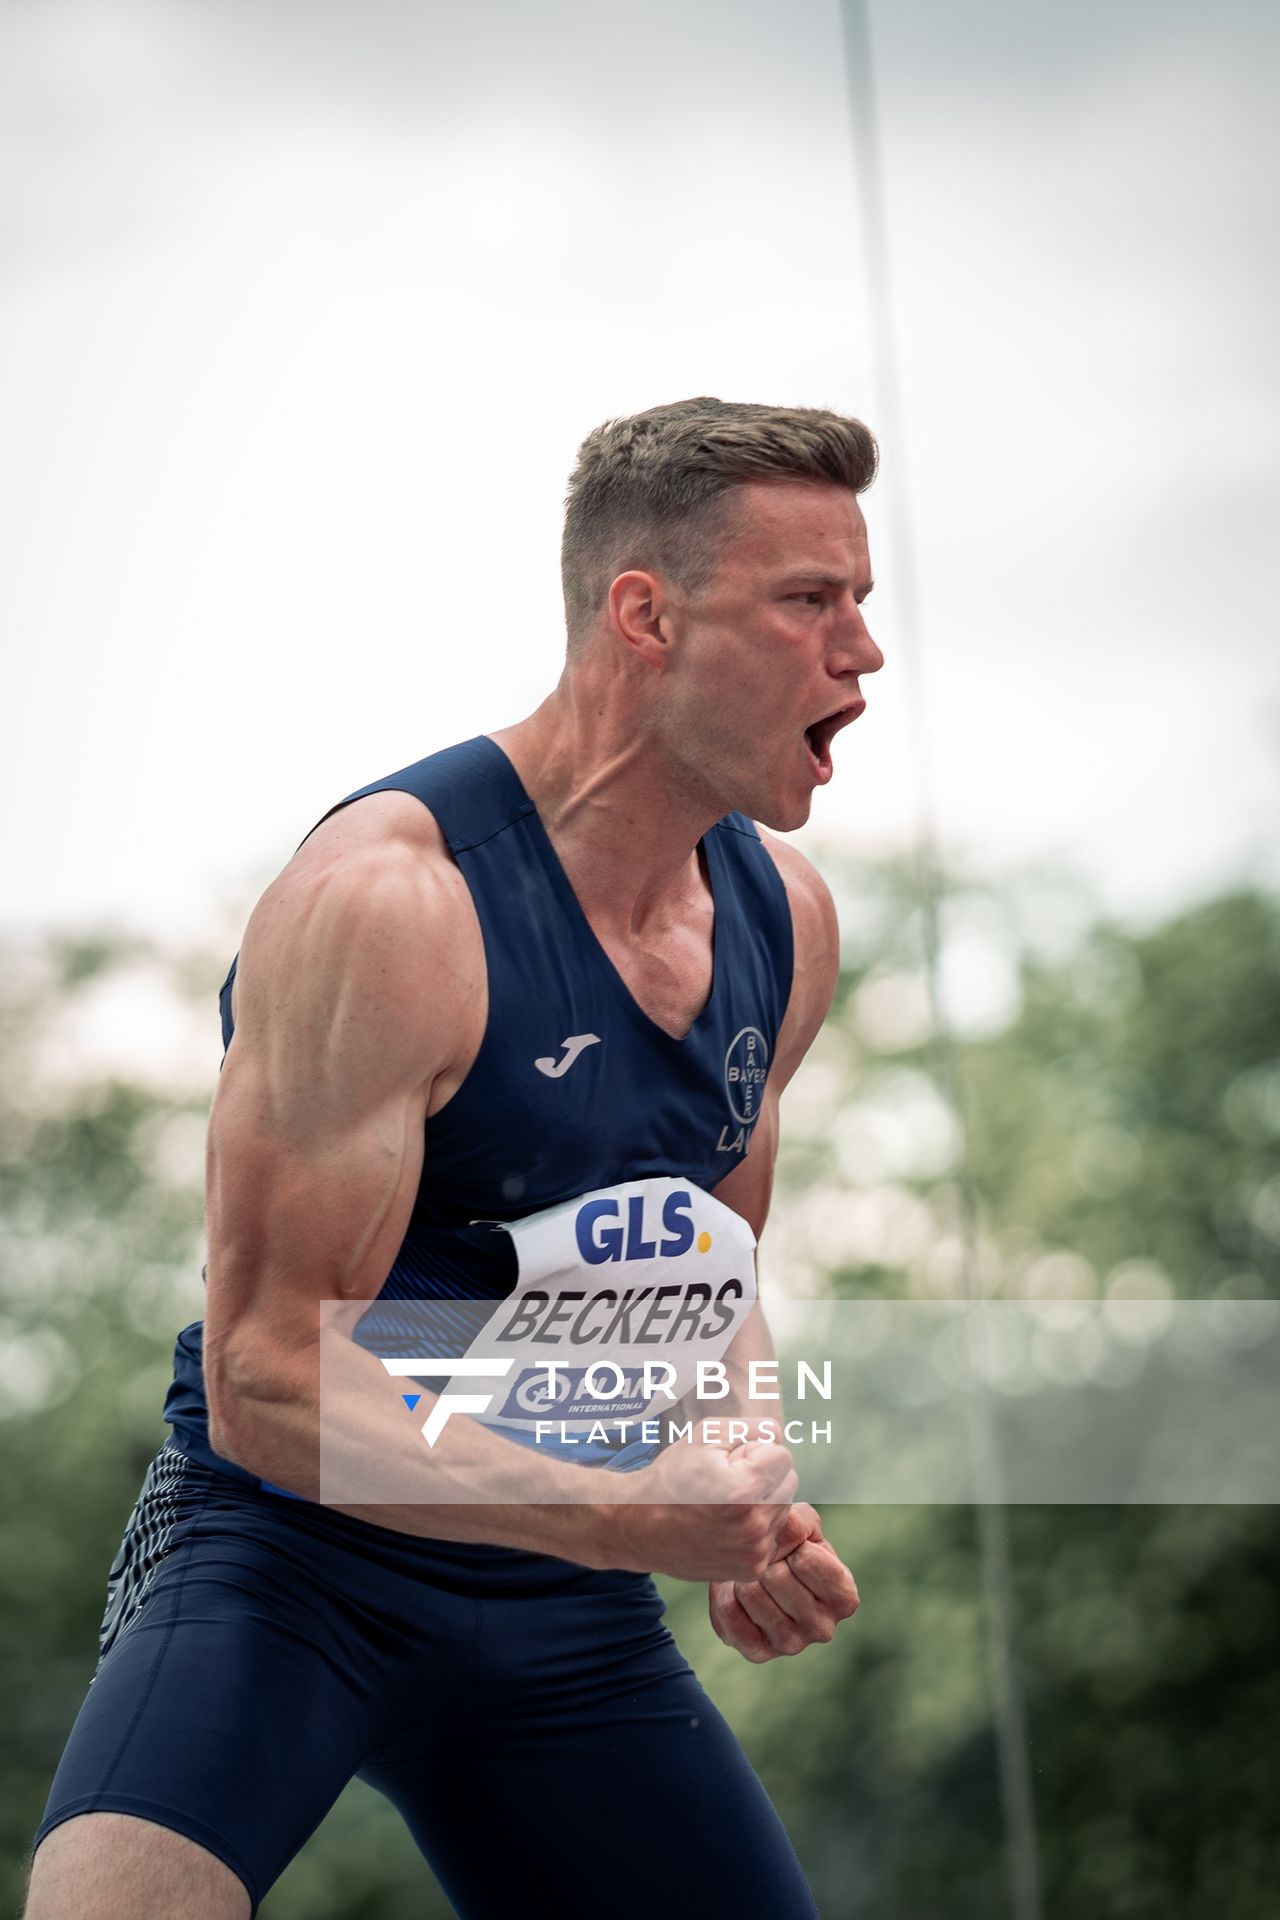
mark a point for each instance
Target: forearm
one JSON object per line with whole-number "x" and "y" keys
{"x": 751, "y": 1348}
{"x": 474, "y": 1485}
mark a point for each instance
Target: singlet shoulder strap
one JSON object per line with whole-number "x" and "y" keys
{"x": 472, "y": 789}
{"x": 761, "y": 907}
{"x": 739, "y": 823}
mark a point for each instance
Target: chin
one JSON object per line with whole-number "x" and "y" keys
{"x": 780, "y": 819}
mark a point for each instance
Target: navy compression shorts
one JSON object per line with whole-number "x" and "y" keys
{"x": 533, "y": 1721}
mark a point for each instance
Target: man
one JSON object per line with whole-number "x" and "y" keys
{"x": 554, "y": 962}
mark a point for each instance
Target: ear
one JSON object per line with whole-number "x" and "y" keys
{"x": 640, "y": 608}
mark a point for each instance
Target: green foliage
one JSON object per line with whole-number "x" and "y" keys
{"x": 1122, "y": 1094}
{"x": 1151, "y": 1067}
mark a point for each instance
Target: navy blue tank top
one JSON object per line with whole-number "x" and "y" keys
{"x": 574, "y": 1087}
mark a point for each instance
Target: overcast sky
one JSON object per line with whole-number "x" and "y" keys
{"x": 305, "y": 308}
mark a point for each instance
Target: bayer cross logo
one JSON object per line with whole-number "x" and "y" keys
{"x": 745, "y": 1067}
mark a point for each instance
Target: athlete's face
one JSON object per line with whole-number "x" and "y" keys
{"x": 773, "y": 649}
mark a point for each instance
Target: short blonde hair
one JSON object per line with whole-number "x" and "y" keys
{"x": 653, "y": 491}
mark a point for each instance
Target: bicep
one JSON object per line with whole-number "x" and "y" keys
{"x": 315, "y": 1139}
{"x": 748, "y": 1188}
{"x": 302, "y": 1209}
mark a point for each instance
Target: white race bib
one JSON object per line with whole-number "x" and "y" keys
{"x": 620, "y": 1294}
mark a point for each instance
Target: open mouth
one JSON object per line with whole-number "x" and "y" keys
{"x": 821, "y": 733}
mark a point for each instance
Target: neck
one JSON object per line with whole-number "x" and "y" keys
{"x": 623, "y": 818}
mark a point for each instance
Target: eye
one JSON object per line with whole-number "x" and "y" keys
{"x": 811, "y": 597}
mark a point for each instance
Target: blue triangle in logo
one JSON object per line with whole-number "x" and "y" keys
{"x": 411, "y": 1400}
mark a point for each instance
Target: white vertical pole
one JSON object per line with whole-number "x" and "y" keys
{"x": 1007, "y": 1701}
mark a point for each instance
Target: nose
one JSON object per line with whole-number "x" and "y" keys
{"x": 854, "y": 650}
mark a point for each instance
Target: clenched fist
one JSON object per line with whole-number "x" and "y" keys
{"x": 802, "y": 1595}
{"x": 702, "y": 1512}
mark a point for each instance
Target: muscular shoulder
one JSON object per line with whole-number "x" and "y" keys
{"x": 816, "y": 935}
{"x": 380, "y": 824}
{"x": 369, "y": 912}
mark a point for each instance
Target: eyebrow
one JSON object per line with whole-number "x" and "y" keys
{"x": 818, "y": 579}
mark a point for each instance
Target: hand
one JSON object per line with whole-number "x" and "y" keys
{"x": 702, "y": 1513}
{"x": 801, "y": 1596}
